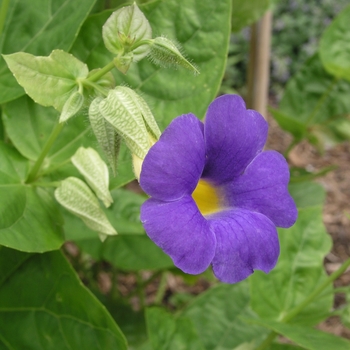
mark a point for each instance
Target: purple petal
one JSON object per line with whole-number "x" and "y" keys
{"x": 174, "y": 164}
{"x": 246, "y": 241}
{"x": 264, "y": 188}
{"x": 181, "y": 231}
{"x": 233, "y": 135}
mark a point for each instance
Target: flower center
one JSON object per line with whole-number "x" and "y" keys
{"x": 206, "y": 198}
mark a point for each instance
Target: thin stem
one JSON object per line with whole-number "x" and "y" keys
{"x": 101, "y": 72}
{"x": 3, "y": 13}
{"x": 161, "y": 289}
{"x": 290, "y": 315}
{"x": 290, "y": 147}
{"x": 36, "y": 168}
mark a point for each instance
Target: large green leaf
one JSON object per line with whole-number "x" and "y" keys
{"x": 217, "y": 313}
{"x": 307, "y": 194}
{"x": 245, "y": 13}
{"x": 169, "y": 333}
{"x": 51, "y": 308}
{"x": 202, "y": 27}
{"x": 312, "y": 98}
{"x": 38, "y": 27}
{"x": 298, "y": 272}
{"x": 335, "y": 46}
{"x": 30, "y": 220}
{"x": 308, "y": 338}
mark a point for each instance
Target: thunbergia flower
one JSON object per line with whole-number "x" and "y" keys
{"x": 216, "y": 196}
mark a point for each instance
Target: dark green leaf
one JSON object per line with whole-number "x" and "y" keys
{"x": 135, "y": 252}
{"x": 51, "y": 308}
{"x": 335, "y": 46}
{"x": 169, "y": 333}
{"x": 30, "y": 220}
{"x": 38, "y": 27}
{"x": 202, "y": 27}
{"x": 308, "y": 338}
{"x": 298, "y": 272}
{"x": 217, "y": 313}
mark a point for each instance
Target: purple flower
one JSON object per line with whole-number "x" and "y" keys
{"x": 216, "y": 197}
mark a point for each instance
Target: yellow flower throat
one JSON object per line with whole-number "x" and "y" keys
{"x": 206, "y": 198}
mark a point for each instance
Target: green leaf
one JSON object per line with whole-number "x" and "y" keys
{"x": 169, "y": 333}
{"x": 135, "y": 252}
{"x": 335, "y": 46}
{"x": 60, "y": 314}
{"x": 216, "y": 315}
{"x": 290, "y": 124}
{"x": 124, "y": 30}
{"x": 95, "y": 172}
{"x": 308, "y": 338}
{"x": 313, "y": 96}
{"x": 50, "y": 80}
{"x": 307, "y": 194}
{"x": 30, "y": 220}
{"x": 74, "y": 195}
{"x": 72, "y": 106}
{"x": 245, "y": 13}
{"x": 298, "y": 272}
{"x": 171, "y": 93}
{"x": 54, "y": 26}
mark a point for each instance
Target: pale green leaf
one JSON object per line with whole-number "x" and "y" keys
{"x": 72, "y": 106}
{"x": 38, "y": 27}
{"x": 95, "y": 172}
{"x": 50, "y": 80}
{"x": 74, "y": 195}
{"x": 51, "y": 309}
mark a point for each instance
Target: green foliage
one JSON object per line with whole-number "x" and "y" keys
{"x": 335, "y": 47}
{"x": 299, "y": 272}
{"x": 51, "y": 308}
{"x": 38, "y": 27}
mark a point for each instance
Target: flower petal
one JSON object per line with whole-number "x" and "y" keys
{"x": 245, "y": 241}
{"x": 181, "y": 231}
{"x": 264, "y": 188}
{"x": 174, "y": 164}
{"x": 233, "y": 136}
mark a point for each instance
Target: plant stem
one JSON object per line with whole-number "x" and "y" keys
{"x": 3, "y": 13}
{"x": 101, "y": 72}
{"x": 37, "y": 166}
{"x": 161, "y": 289}
{"x": 290, "y": 147}
{"x": 290, "y": 315}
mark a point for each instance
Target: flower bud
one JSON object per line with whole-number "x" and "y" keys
{"x": 165, "y": 53}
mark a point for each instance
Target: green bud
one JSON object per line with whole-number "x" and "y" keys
{"x": 72, "y": 106}
{"x": 165, "y": 53}
{"x": 95, "y": 172}
{"x": 124, "y": 30}
{"x": 106, "y": 135}
{"x": 132, "y": 119}
{"x": 74, "y": 195}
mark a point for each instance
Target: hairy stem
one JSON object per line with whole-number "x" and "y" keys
{"x": 37, "y": 166}
{"x": 290, "y": 315}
